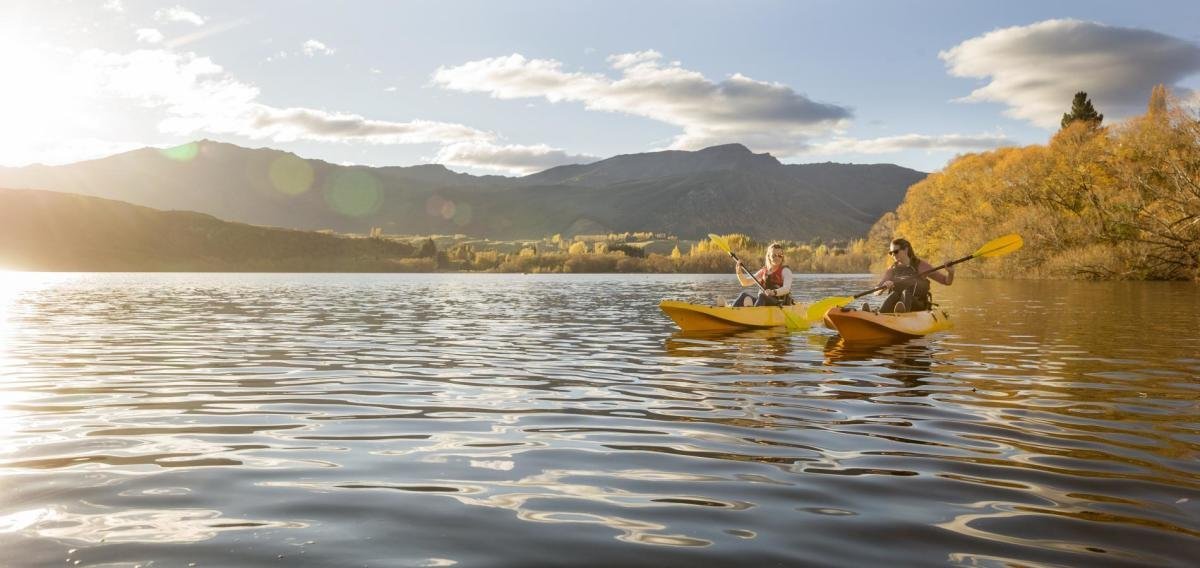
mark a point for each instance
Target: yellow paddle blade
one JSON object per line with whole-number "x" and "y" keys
{"x": 1000, "y": 246}
{"x": 720, "y": 242}
{"x": 817, "y": 309}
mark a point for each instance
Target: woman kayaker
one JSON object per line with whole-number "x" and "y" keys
{"x": 909, "y": 292}
{"x": 774, "y": 277}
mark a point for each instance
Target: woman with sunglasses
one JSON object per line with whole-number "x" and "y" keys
{"x": 776, "y": 279}
{"x": 908, "y": 289}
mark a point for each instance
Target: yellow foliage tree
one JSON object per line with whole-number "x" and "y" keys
{"x": 1111, "y": 202}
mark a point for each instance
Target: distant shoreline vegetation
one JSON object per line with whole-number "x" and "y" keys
{"x": 622, "y": 253}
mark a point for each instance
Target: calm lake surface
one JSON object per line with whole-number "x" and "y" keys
{"x": 530, "y": 420}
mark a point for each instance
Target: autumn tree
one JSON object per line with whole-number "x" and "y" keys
{"x": 1121, "y": 202}
{"x": 1158, "y": 101}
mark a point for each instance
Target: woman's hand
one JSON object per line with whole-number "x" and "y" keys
{"x": 887, "y": 287}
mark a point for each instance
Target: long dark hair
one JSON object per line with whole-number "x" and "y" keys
{"x": 913, "y": 261}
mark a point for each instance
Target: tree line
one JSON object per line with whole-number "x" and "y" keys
{"x": 1095, "y": 202}
{"x": 623, "y": 253}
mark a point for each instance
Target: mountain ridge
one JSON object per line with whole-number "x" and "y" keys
{"x": 723, "y": 188}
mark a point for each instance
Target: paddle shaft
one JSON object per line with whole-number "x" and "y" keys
{"x": 920, "y": 274}
{"x": 748, "y": 273}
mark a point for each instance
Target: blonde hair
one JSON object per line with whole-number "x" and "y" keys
{"x": 771, "y": 247}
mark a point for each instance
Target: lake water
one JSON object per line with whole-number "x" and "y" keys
{"x": 531, "y": 420}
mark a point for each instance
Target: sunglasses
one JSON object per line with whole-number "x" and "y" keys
{"x": 894, "y": 251}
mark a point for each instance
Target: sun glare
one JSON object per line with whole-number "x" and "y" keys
{"x": 39, "y": 103}
{"x": 13, "y": 287}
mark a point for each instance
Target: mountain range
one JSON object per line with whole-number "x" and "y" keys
{"x": 722, "y": 189}
{"x": 52, "y": 231}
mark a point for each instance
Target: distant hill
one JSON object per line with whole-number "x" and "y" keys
{"x": 720, "y": 189}
{"x": 653, "y": 165}
{"x": 44, "y": 230}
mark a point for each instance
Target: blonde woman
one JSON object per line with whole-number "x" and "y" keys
{"x": 774, "y": 277}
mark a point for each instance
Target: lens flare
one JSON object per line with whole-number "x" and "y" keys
{"x": 291, "y": 175}
{"x": 354, "y": 193}
{"x": 462, "y": 214}
{"x": 448, "y": 209}
{"x": 435, "y": 205}
{"x": 183, "y": 153}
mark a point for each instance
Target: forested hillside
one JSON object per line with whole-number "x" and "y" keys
{"x": 1098, "y": 202}
{"x": 43, "y": 230}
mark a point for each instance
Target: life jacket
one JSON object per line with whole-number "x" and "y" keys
{"x": 911, "y": 288}
{"x": 771, "y": 280}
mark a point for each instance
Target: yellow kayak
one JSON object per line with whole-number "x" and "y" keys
{"x": 856, "y": 325}
{"x": 697, "y": 317}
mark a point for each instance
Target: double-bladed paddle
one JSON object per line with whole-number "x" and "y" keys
{"x": 789, "y": 317}
{"x": 996, "y": 247}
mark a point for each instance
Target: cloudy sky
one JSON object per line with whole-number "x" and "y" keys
{"x": 513, "y": 87}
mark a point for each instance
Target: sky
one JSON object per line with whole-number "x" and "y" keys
{"x": 514, "y": 87}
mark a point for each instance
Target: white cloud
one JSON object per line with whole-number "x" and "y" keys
{"x": 889, "y": 144}
{"x": 1035, "y": 70}
{"x": 513, "y": 159}
{"x": 114, "y": 6}
{"x": 765, "y": 116}
{"x": 195, "y": 95}
{"x": 310, "y": 124}
{"x": 149, "y": 35}
{"x": 178, "y": 14}
{"x": 313, "y": 47}
{"x": 375, "y": 71}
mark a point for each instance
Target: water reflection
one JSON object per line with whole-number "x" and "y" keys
{"x": 177, "y": 526}
{"x": 910, "y": 361}
{"x": 763, "y": 351}
{"x": 347, "y": 420}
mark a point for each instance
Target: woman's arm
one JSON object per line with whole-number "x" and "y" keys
{"x": 787, "y": 283}
{"x": 886, "y": 279}
{"x": 944, "y": 278}
{"x": 740, "y": 270}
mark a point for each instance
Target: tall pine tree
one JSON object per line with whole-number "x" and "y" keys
{"x": 1081, "y": 109}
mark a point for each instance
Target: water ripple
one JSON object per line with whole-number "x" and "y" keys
{"x": 412, "y": 419}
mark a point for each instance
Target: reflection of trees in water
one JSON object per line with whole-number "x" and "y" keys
{"x": 1098, "y": 317}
